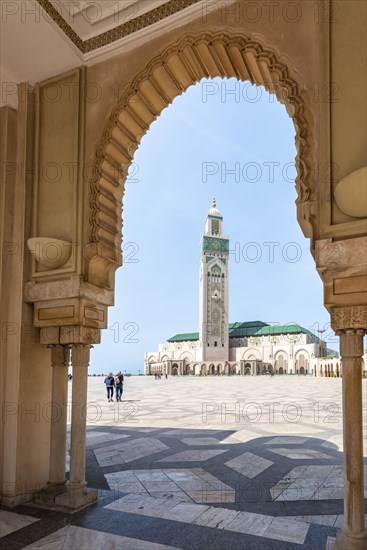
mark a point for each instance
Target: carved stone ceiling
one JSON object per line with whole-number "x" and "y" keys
{"x": 43, "y": 38}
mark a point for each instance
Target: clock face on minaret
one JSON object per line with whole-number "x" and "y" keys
{"x": 214, "y": 287}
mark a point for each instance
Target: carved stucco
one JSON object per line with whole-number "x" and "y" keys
{"x": 169, "y": 74}
{"x": 138, "y": 23}
{"x": 343, "y": 318}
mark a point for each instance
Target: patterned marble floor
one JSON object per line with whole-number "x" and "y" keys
{"x": 176, "y": 469}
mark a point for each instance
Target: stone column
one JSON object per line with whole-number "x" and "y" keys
{"x": 353, "y": 535}
{"x": 78, "y": 495}
{"x": 60, "y": 357}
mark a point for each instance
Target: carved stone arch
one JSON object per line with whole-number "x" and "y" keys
{"x": 169, "y": 74}
{"x": 248, "y": 353}
{"x": 304, "y": 351}
{"x": 281, "y": 352}
{"x": 186, "y": 355}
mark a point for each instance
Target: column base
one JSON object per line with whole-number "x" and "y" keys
{"x": 74, "y": 499}
{"x": 65, "y": 498}
{"x": 48, "y": 495}
{"x": 345, "y": 542}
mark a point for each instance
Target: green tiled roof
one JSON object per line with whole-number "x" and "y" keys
{"x": 283, "y": 329}
{"x": 248, "y": 328}
{"x": 184, "y": 337}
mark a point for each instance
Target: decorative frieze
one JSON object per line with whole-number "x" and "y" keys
{"x": 354, "y": 317}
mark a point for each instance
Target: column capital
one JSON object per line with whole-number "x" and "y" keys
{"x": 349, "y": 317}
{"x": 80, "y": 354}
{"x": 60, "y": 356}
{"x": 351, "y": 344}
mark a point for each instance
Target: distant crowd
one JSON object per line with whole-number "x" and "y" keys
{"x": 158, "y": 376}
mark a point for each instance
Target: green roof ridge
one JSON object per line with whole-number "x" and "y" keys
{"x": 248, "y": 328}
{"x": 184, "y": 336}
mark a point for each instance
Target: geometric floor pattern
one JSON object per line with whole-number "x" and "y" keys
{"x": 249, "y": 464}
{"x": 273, "y": 528}
{"x": 187, "y": 485}
{"x": 194, "y": 485}
{"x": 312, "y": 483}
{"x": 73, "y": 538}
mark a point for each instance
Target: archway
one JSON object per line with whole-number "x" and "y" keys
{"x": 155, "y": 89}
{"x": 281, "y": 361}
{"x": 174, "y": 369}
{"x": 302, "y": 361}
{"x": 169, "y": 74}
{"x": 186, "y": 370}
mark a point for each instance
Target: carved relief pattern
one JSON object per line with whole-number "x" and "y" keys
{"x": 169, "y": 74}
{"x": 354, "y": 317}
{"x": 105, "y": 38}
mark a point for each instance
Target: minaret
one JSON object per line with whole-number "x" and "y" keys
{"x": 214, "y": 288}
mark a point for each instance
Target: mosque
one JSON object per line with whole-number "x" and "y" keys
{"x": 220, "y": 347}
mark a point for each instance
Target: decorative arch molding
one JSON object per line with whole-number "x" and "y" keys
{"x": 186, "y": 355}
{"x": 246, "y": 57}
{"x": 248, "y": 353}
{"x": 281, "y": 352}
{"x": 302, "y": 351}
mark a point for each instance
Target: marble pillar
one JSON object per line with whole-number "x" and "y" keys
{"x": 78, "y": 494}
{"x": 353, "y": 535}
{"x": 60, "y": 357}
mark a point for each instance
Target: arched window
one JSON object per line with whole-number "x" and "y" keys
{"x": 215, "y": 344}
{"x": 215, "y": 276}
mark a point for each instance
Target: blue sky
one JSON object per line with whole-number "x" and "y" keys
{"x": 233, "y": 141}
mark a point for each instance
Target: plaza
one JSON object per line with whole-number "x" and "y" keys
{"x": 191, "y": 463}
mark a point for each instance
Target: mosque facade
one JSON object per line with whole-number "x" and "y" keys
{"x": 244, "y": 348}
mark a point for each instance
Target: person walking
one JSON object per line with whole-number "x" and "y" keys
{"x": 119, "y": 382}
{"x": 110, "y": 382}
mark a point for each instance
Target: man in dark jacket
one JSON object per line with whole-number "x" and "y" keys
{"x": 119, "y": 382}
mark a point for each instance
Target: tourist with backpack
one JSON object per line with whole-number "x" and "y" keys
{"x": 119, "y": 382}
{"x": 110, "y": 382}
